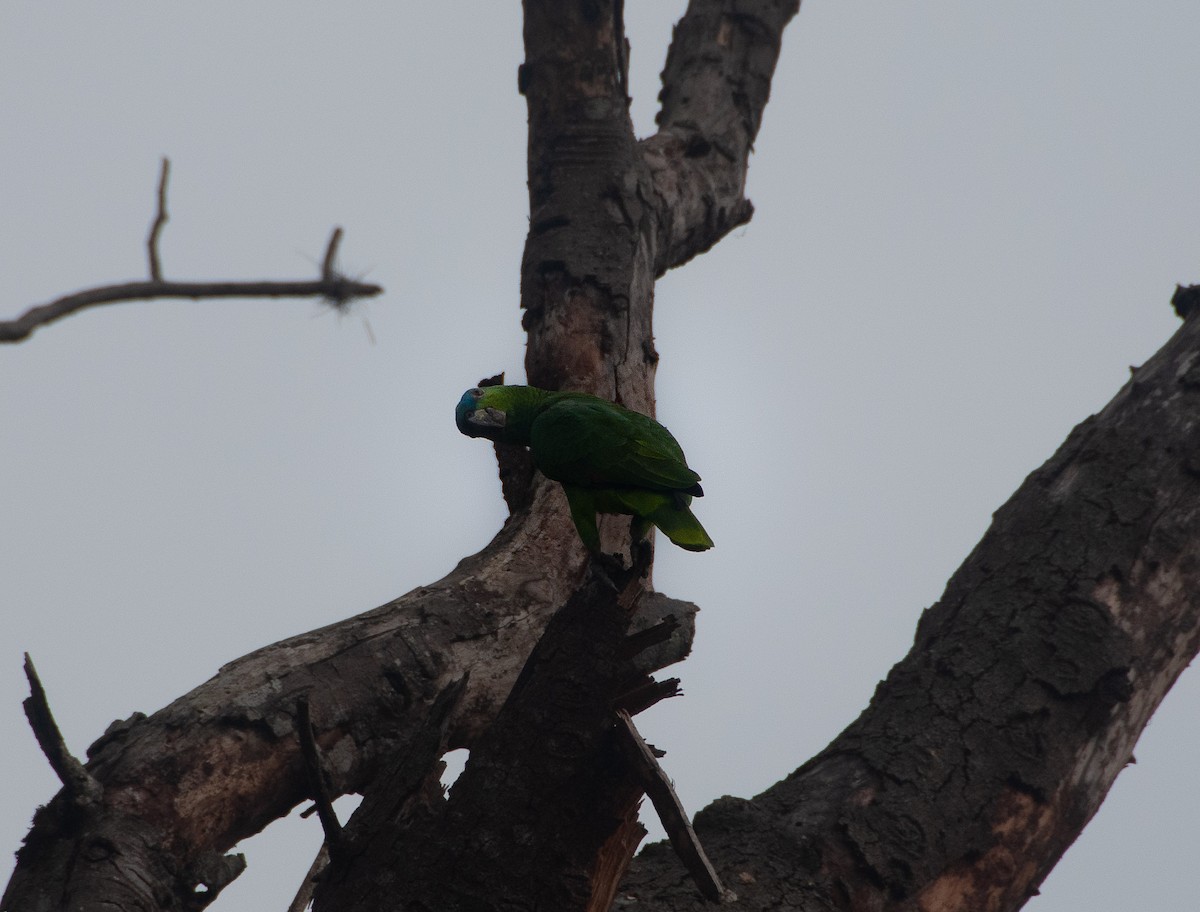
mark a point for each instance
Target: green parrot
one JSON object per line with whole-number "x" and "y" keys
{"x": 607, "y": 458}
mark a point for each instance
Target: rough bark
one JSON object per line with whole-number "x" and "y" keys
{"x": 545, "y": 791}
{"x": 994, "y": 741}
{"x": 183, "y": 786}
{"x": 223, "y": 761}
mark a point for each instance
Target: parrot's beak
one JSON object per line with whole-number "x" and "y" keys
{"x": 486, "y": 418}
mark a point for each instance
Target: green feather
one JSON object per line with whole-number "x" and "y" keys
{"x": 608, "y": 458}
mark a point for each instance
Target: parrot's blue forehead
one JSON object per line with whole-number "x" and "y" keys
{"x": 466, "y": 405}
{"x": 467, "y": 402}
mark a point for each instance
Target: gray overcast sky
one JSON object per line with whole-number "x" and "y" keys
{"x": 971, "y": 218}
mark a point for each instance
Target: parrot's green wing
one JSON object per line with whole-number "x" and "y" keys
{"x": 588, "y": 441}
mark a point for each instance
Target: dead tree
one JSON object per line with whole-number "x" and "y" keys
{"x": 978, "y": 761}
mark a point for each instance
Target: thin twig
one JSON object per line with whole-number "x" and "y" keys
{"x": 339, "y": 299}
{"x": 316, "y": 778}
{"x": 79, "y": 783}
{"x": 338, "y": 289}
{"x": 670, "y": 810}
{"x": 329, "y": 266}
{"x": 308, "y": 886}
{"x": 160, "y": 219}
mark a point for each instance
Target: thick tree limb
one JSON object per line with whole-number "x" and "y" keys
{"x": 715, "y": 86}
{"x": 548, "y": 771}
{"x": 223, "y": 761}
{"x": 991, "y": 745}
{"x": 333, "y": 287}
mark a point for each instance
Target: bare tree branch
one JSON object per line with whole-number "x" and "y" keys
{"x": 338, "y": 290}
{"x": 80, "y": 785}
{"x": 335, "y": 288}
{"x": 670, "y": 810}
{"x": 317, "y": 777}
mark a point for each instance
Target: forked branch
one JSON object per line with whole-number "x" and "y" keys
{"x": 334, "y": 287}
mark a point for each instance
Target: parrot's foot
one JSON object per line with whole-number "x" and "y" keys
{"x": 607, "y": 568}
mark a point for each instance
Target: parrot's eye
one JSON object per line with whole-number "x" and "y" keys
{"x": 475, "y": 393}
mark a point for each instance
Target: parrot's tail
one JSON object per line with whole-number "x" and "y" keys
{"x": 670, "y": 511}
{"x": 680, "y": 525}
